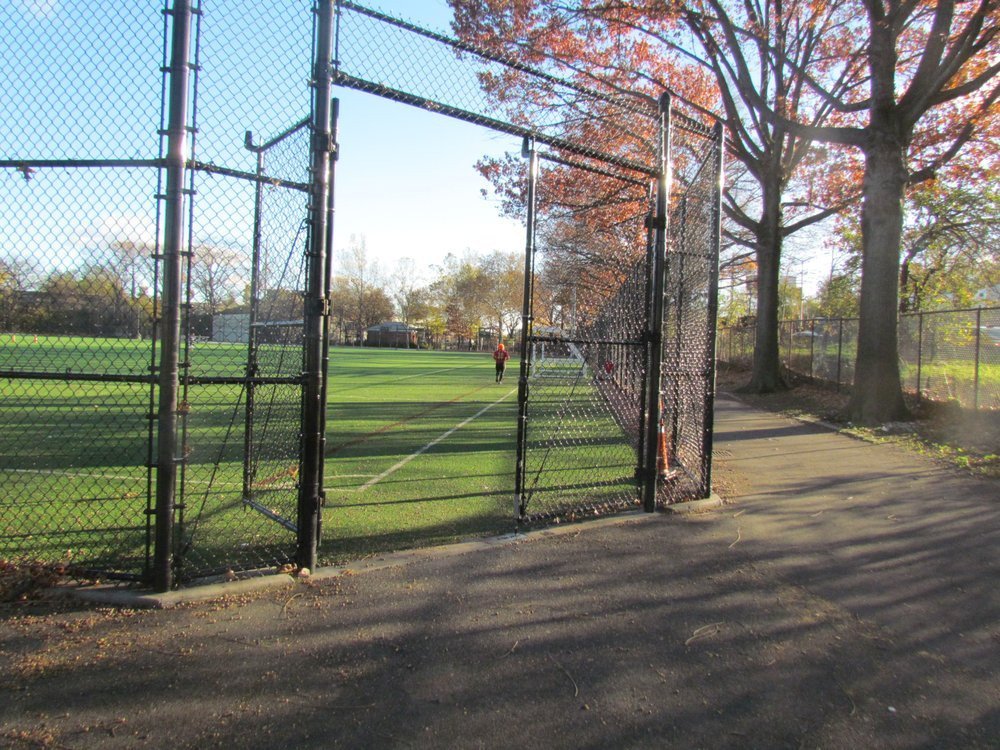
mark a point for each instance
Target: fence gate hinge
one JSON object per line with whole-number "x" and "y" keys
{"x": 655, "y": 222}
{"x": 324, "y": 143}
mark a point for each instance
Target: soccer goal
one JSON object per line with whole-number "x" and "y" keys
{"x": 561, "y": 360}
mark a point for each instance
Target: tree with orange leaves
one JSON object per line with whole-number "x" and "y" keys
{"x": 651, "y": 47}
{"x": 930, "y": 93}
{"x": 905, "y": 86}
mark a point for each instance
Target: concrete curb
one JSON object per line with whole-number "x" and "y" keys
{"x": 712, "y": 502}
{"x": 117, "y": 596}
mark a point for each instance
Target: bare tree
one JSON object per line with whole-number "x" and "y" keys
{"x": 216, "y": 276}
{"x": 408, "y": 292}
{"x": 362, "y": 278}
{"x": 502, "y": 285}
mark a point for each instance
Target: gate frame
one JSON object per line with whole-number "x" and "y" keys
{"x": 316, "y": 311}
{"x": 316, "y": 307}
{"x": 170, "y": 318}
{"x": 654, "y": 318}
{"x": 316, "y": 303}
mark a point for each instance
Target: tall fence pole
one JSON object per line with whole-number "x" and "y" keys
{"x": 812, "y": 348}
{"x": 920, "y": 355}
{"x": 979, "y": 338}
{"x": 316, "y": 308}
{"x": 252, "y": 366}
{"x": 520, "y": 498}
{"x": 327, "y": 288}
{"x": 170, "y": 316}
{"x": 840, "y": 351}
{"x": 655, "y": 327}
{"x": 640, "y": 467}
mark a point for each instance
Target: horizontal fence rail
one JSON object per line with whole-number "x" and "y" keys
{"x": 944, "y": 355}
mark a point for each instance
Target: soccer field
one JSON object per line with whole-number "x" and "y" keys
{"x": 420, "y": 449}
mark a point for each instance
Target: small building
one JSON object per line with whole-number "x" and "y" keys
{"x": 233, "y": 328}
{"x": 392, "y": 335}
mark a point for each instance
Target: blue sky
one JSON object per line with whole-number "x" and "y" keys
{"x": 85, "y": 84}
{"x": 406, "y": 178}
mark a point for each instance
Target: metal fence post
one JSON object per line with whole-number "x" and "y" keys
{"x": 812, "y": 348}
{"x": 679, "y": 292}
{"x": 920, "y": 355}
{"x": 527, "y": 150}
{"x": 657, "y": 281}
{"x": 316, "y": 308}
{"x": 327, "y": 285}
{"x": 640, "y": 467}
{"x": 840, "y": 350}
{"x": 170, "y": 328}
{"x": 252, "y": 366}
{"x": 979, "y": 337}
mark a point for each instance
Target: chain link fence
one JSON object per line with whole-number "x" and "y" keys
{"x": 81, "y": 105}
{"x": 164, "y": 276}
{"x": 85, "y": 137}
{"x": 585, "y": 407}
{"x": 690, "y": 299}
{"x": 584, "y": 379}
{"x": 944, "y": 355}
{"x": 396, "y": 60}
{"x": 242, "y": 359}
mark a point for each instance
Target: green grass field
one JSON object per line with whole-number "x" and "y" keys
{"x": 420, "y": 450}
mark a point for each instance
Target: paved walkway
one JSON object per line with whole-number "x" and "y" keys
{"x": 850, "y": 601}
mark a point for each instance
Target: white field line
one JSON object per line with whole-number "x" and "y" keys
{"x": 397, "y": 380}
{"x": 430, "y": 372}
{"x": 396, "y": 467}
{"x": 87, "y": 475}
{"x": 421, "y": 374}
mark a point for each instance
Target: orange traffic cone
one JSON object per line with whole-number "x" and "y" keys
{"x": 662, "y": 453}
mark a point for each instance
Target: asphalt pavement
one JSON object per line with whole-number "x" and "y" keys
{"x": 844, "y": 597}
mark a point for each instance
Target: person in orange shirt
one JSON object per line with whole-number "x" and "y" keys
{"x": 500, "y": 356}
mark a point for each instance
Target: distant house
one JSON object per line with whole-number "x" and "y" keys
{"x": 393, "y": 335}
{"x": 234, "y": 327}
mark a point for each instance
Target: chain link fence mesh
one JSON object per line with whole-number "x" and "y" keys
{"x": 586, "y": 374}
{"x": 944, "y": 355}
{"x": 690, "y": 290}
{"x": 396, "y": 60}
{"x": 81, "y": 82}
{"x": 84, "y": 158}
{"x": 244, "y": 328}
{"x": 77, "y": 281}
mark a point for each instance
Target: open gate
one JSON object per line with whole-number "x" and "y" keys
{"x": 168, "y": 419}
{"x": 239, "y": 481}
{"x": 614, "y": 404}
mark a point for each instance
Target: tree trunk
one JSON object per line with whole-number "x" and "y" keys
{"x": 766, "y": 376}
{"x": 878, "y": 394}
